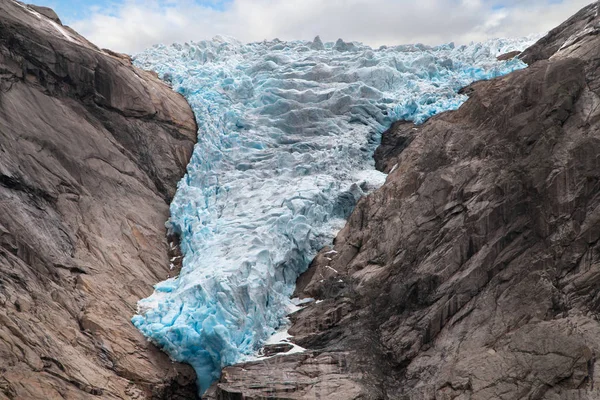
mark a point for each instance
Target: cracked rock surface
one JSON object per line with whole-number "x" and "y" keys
{"x": 91, "y": 150}
{"x": 474, "y": 272}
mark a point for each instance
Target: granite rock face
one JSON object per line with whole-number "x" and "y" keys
{"x": 91, "y": 150}
{"x": 474, "y": 272}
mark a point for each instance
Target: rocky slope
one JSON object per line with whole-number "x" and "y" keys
{"x": 474, "y": 272}
{"x": 91, "y": 149}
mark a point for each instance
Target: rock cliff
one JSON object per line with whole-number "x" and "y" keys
{"x": 474, "y": 272}
{"x": 91, "y": 150}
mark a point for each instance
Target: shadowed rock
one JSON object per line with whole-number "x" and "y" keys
{"x": 91, "y": 149}
{"x": 508, "y": 56}
{"x": 393, "y": 142}
{"x": 273, "y": 349}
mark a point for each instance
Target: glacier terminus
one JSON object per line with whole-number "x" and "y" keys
{"x": 286, "y": 135}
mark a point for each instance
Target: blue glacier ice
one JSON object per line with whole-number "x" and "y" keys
{"x": 286, "y": 136}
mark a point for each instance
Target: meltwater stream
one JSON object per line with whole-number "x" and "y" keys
{"x": 286, "y": 136}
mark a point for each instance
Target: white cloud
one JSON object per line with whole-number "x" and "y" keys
{"x": 137, "y": 24}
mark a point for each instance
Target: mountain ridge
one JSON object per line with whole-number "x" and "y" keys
{"x": 91, "y": 150}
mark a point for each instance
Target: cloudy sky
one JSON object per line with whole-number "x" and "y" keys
{"x": 132, "y": 25}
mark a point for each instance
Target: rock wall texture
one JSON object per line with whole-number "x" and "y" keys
{"x": 474, "y": 272}
{"x": 91, "y": 149}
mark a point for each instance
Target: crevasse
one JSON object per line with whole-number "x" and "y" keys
{"x": 286, "y": 136}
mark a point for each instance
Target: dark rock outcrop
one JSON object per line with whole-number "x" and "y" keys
{"x": 508, "y": 56}
{"x": 91, "y": 149}
{"x": 474, "y": 272}
{"x": 393, "y": 142}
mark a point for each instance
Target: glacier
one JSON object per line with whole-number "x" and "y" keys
{"x": 286, "y": 136}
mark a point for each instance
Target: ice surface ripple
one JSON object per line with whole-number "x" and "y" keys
{"x": 286, "y": 136}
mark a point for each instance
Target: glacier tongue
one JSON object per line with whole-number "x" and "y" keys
{"x": 286, "y": 136}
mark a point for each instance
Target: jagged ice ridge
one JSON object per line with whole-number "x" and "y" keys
{"x": 286, "y": 136}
